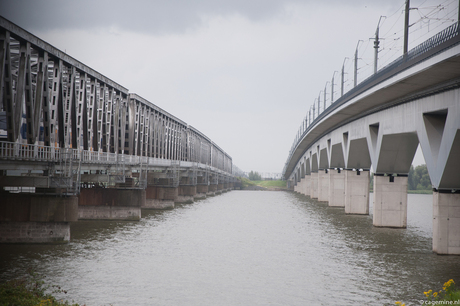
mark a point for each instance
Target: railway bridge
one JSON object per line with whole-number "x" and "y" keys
{"x": 378, "y": 125}
{"x": 76, "y": 145}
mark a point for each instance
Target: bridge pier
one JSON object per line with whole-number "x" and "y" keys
{"x": 390, "y": 201}
{"x": 308, "y": 185}
{"x": 212, "y": 188}
{"x": 323, "y": 185}
{"x": 301, "y": 185}
{"x": 356, "y": 192}
{"x": 336, "y": 188}
{"x": 314, "y": 185}
{"x": 111, "y": 204}
{"x": 446, "y": 222}
{"x": 201, "y": 187}
{"x": 36, "y": 218}
{"x": 186, "y": 194}
{"x": 160, "y": 197}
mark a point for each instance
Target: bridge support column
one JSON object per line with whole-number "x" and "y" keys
{"x": 212, "y": 188}
{"x": 201, "y": 191}
{"x": 219, "y": 188}
{"x": 159, "y": 197}
{"x": 323, "y": 185}
{"x": 336, "y": 188}
{"x": 314, "y": 185}
{"x": 356, "y": 192}
{"x": 303, "y": 185}
{"x": 296, "y": 187}
{"x": 33, "y": 218}
{"x": 186, "y": 194}
{"x": 111, "y": 204}
{"x": 390, "y": 201}
{"x": 446, "y": 223}
{"x": 308, "y": 185}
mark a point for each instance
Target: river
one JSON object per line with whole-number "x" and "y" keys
{"x": 243, "y": 248}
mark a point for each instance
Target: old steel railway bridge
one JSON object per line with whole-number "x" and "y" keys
{"x": 76, "y": 145}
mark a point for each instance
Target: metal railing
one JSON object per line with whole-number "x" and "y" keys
{"x": 28, "y": 152}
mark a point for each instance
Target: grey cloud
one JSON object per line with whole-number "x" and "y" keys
{"x": 156, "y": 17}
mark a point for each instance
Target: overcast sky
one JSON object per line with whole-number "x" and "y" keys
{"x": 242, "y": 72}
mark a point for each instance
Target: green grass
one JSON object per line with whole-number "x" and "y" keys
{"x": 29, "y": 290}
{"x": 272, "y": 183}
{"x": 420, "y": 191}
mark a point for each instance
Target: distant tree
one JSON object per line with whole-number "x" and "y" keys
{"x": 419, "y": 179}
{"x": 255, "y": 176}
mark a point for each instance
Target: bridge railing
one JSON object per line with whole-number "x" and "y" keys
{"x": 428, "y": 45}
{"x": 38, "y": 153}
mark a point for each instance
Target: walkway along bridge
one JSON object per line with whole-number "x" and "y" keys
{"x": 379, "y": 124}
{"x": 76, "y": 145}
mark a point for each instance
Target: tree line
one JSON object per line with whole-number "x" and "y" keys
{"x": 418, "y": 178}
{"x": 254, "y": 176}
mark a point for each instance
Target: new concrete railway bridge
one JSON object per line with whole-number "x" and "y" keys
{"x": 378, "y": 125}
{"x": 76, "y": 145}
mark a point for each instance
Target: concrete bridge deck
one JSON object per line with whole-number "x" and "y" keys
{"x": 378, "y": 125}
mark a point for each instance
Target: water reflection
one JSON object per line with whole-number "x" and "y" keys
{"x": 243, "y": 248}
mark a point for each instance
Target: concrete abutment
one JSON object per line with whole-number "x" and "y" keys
{"x": 111, "y": 204}
{"x": 36, "y": 218}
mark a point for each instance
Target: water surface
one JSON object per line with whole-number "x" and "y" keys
{"x": 243, "y": 248}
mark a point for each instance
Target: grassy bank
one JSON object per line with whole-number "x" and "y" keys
{"x": 30, "y": 290}
{"x": 271, "y": 184}
{"x": 420, "y": 191}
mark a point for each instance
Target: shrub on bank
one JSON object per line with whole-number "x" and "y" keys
{"x": 449, "y": 295}
{"x": 29, "y": 291}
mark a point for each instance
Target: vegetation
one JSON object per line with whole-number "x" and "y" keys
{"x": 30, "y": 290}
{"x": 271, "y": 183}
{"x": 245, "y": 182}
{"x": 449, "y": 295}
{"x": 418, "y": 180}
{"x": 254, "y": 176}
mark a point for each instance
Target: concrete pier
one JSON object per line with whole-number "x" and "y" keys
{"x": 356, "y": 192}
{"x": 390, "y": 201}
{"x": 201, "y": 191}
{"x": 314, "y": 185}
{"x": 323, "y": 185}
{"x": 446, "y": 223}
{"x": 160, "y": 197}
{"x": 212, "y": 188}
{"x": 336, "y": 188}
{"x": 186, "y": 194}
{"x": 308, "y": 185}
{"x": 35, "y": 218}
{"x": 111, "y": 204}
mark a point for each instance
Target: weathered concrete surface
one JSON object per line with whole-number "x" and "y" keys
{"x": 356, "y": 192}
{"x": 323, "y": 186}
{"x": 446, "y": 223}
{"x": 111, "y": 204}
{"x": 186, "y": 194}
{"x": 34, "y": 232}
{"x": 160, "y": 197}
{"x": 314, "y": 185}
{"x": 336, "y": 188}
{"x": 33, "y": 218}
{"x": 390, "y": 201}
